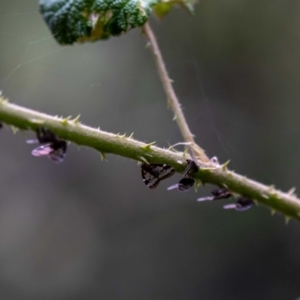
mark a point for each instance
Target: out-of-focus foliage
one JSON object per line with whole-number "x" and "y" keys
{"x": 85, "y": 20}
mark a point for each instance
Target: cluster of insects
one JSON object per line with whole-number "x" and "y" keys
{"x": 50, "y": 145}
{"x": 152, "y": 174}
{"x": 242, "y": 203}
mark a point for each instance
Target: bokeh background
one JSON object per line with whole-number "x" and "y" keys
{"x": 88, "y": 229}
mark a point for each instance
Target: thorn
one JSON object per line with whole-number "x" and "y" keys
{"x": 143, "y": 159}
{"x": 235, "y": 195}
{"x": 185, "y": 152}
{"x": 65, "y": 121}
{"x": 103, "y": 156}
{"x": 287, "y": 219}
{"x": 131, "y": 136}
{"x": 273, "y": 192}
{"x": 147, "y": 146}
{"x": 123, "y": 136}
{"x": 14, "y": 129}
{"x": 118, "y": 134}
{"x": 291, "y": 191}
{"x": 265, "y": 196}
{"x": 198, "y": 183}
{"x": 273, "y": 212}
{"x": 225, "y": 186}
{"x": 224, "y": 166}
{"x": 76, "y": 120}
{"x": 271, "y": 188}
{"x": 174, "y": 118}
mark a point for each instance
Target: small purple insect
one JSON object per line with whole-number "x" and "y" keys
{"x": 241, "y": 204}
{"x": 217, "y": 194}
{"x": 52, "y": 147}
{"x": 183, "y": 185}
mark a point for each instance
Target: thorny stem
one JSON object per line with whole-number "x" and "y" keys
{"x": 219, "y": 175}
{"x": 172, "y": 98}
{"x": 105, "y": 142}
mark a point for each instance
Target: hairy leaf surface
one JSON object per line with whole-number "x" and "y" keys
{"x": 90, "y": 20}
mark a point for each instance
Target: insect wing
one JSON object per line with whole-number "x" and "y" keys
{"x": 173, "y": 187}
{"x": 221, "y": 193}
{"x": 32, "y": 141}
{"x": 58, "y": 152}
{"x": 183, "y": 185}
{"x": 217, "y": 195}
{"x": 230, "y": 206}
{"x": 43, "y": 150}
{"x": 57, "y": 156}
{"x": 152, "y": 174}
{"x": 242, "y": 204}
{"x": 209, "y": 198}
{"x": 191, "y": 168}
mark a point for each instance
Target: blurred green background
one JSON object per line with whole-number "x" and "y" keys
{"x": 88, "y": 229}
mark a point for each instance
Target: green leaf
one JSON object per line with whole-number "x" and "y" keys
{"x": 80, "y": 21}
{"x": 161, "y": 8}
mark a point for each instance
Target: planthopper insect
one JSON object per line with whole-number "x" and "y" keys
{"x": 51, "y": 146}
{"x": 152, "y": 174}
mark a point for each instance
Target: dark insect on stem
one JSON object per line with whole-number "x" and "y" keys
{"x": 152, "y": 174}
{"x": 1, "y": 125}
{"x": 183, "y": 185}
{"x": 217, "y": 194}
{"x": 191, "y": 168}
{"x": 52, "y": 146}
{"x": 46, "y": 136}
{"x": 242, "y": 204}
{"x": 186, "y": 182}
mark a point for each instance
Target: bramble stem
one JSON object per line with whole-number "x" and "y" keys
{"x": 105, "y": 142}
{"x": 172, "y": 98}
